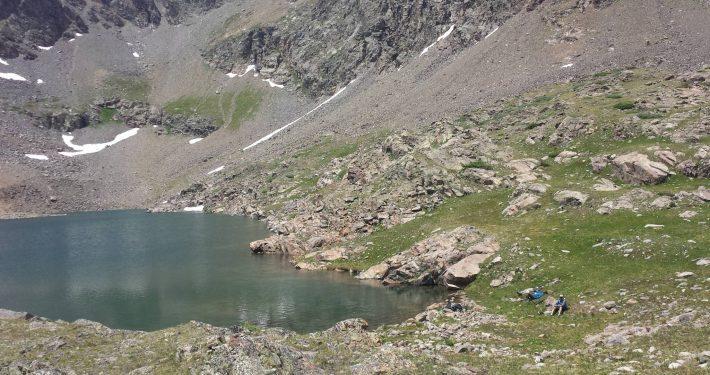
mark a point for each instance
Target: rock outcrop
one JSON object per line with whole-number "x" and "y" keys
{"x": 277, "y": 245}
{"x": 570, "y": 198}
{"x": 449, "y": 258}
{"x": 521, "y": 204}
{"x": 636, "y": 168}
{"x": 133, "y": 114}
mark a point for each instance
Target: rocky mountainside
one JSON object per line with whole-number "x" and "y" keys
{"x": 26, "y": 25}
{"x": 320, "y": 47}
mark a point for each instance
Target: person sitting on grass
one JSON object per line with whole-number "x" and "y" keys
{"x": 560, "y": 306}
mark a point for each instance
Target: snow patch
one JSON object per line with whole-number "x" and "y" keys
{"x": 218, "y": 169}
{"x": 194, "y": 140}
{"x": 91, "y": 148}
{"x": 439, "y": 39}
{"x": 72, "y": 39}
{"x": 653, "y": 226}
{"x": 45, "y": 48}
{"x": 231, "y": 75}
{"x": 491, "y": 33}
{"x": 135, "y": 54}
{"x": 567, "y": 65}
{"x": 277, "y": 131}
{"x": 78, "y": 34}
{"x": 249, "y": 69}
{"x": 199, "y": 208}
{"x": 3, "y": 62}
{"x": 12, "y": 76}
{"x": 37, "y": 156}
{"x": 39, "y": 81}
{"x": 272, "y": 83}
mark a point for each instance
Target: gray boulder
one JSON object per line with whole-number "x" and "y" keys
{"x": 436, "y": 259}
{"x": 522, "y": 204}
{"x": 570, "y": 198}
{"x": 636, "y": 168}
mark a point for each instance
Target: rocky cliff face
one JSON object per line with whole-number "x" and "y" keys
{"x": 26, "y": 24}
{"x": 322, "y": 46}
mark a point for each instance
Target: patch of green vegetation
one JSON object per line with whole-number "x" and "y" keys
{"x": 106, "y": 115}
{"x": 542, "y": 99}
{"x": 585, "y": 271}
{"x": 127, "y": 87}
{"x": 614, "y": 95}
{"x": 247, "y": 103}
{"x": 649, "y": 115}
{"x": 227, "y": 109}
{"x": 478, "y": 164}
{"x": 624, "y": 105}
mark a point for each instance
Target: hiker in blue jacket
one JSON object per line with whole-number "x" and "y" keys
{"x": 560, "y": 306}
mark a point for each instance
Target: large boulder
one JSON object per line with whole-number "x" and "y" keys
{"x": 521, "y": 204}
{"x": 464, "y": 271}
{"x": 636, "y": 168}
{"x": 354, "y": 324}
{"x": 523, "y": 166}
{"x": 605, "y": 185}
{"x": 9, "y": 314}
{"x": 427, "y": 262}
{"x": 332, "y": 254}
{"x": 570, "y": 198}
{"x": 598, "y": 163}
{"x": 482, "y": 176}
{"x": 276, "y": 245}
{"x": 378, "y": 271}
{"x": 565, "y": 157}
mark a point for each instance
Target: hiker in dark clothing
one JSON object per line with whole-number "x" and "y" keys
{"x": 560, "y": 306}
{"x": 453, "y": 306}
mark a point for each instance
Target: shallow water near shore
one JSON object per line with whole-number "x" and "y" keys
{"x": 147, "y": 271}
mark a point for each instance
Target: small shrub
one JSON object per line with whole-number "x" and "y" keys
{"x": 542, "y": 98}
{"x": 649, "y": 115}
{"x": 614, "y": 95}
{"x": 480, "y": 164}
{"x": 624, "y": 105}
